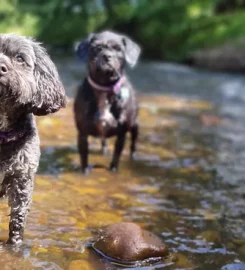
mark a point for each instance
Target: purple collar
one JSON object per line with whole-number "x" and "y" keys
{"x": 115, "y": 88}
{"x": 10, "y": 136}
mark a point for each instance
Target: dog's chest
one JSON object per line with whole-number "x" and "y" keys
{"x": 4, "y": 121}
{"x": 103, "y": 117}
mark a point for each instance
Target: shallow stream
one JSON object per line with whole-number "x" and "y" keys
{"x": 187, "y": 184}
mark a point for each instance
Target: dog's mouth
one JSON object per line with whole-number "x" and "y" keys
{"x": 3, "y": 82}
{"x": 108, "y": 69}
{"x": 3, "y": 89}
{"x": 112, "y": 75}
{"x": 108, "y": 73}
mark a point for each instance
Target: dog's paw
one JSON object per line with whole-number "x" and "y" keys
{"x": 113, "y": 168}
{"x": 14, "y": 242}
{"x": 86, "y": 170}
{"x": 104, "y": 151}
{"x": 133, "y": 156}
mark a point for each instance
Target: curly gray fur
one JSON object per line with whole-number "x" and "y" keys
{"x": 29, "y": 85}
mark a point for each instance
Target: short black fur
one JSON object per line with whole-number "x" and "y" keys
{"x": 106, "y": 113}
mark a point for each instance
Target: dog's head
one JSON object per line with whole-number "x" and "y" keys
{"x": 106, "y": 54}
{"x": 28, "y": 77}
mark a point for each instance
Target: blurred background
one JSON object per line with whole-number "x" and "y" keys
{"x": 195, "y": 32}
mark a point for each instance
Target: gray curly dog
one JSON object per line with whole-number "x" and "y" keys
{"x": 29, "y": 85}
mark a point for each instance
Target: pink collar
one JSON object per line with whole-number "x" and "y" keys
{"x": 115, "y": 88}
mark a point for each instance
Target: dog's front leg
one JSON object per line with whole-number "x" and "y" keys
{"x": 119, "y": 145}
{"x": 83, "y": 151}
{"x": 20, "y": 198}
{"x": 134, "y": 136}
{"x": 104, "y": 148}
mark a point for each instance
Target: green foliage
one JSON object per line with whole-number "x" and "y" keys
{"x": 11, "y": 21}
{"x": 166, "y": 29}
{"x": 176, "y": 28}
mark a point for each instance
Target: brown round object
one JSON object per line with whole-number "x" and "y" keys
{"x": 127, "y": 242}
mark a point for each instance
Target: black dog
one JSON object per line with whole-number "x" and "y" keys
{"x": 105, "y": 104}
{"x": 29, "y": 84}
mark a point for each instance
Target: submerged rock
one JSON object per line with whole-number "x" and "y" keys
{"x": 128, "y": 243}
{"x": 234, "y": 266}
{"x": 80, "y": 264}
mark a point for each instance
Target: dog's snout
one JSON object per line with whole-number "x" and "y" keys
{"x": 3, "y": 69}
{"x": 107, "y": 57}
{"x": 110, "y": 73}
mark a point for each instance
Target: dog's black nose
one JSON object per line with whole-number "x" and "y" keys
{"x": 107, "y": 57}
{"x": 3, "y": 69}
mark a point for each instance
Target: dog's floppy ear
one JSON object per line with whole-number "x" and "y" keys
{"x": 132, "y": 51}
{"x": 50, "y": 95}
{"x": 82, "y": 48}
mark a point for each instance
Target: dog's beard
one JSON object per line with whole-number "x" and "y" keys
{"x": 105, "y": 73}
{"x": 16, "y": 89}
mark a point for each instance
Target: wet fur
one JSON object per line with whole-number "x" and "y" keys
{"x": 29, "y": 88}
{"x": 106, "y": 54}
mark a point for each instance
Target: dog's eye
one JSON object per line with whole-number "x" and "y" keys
{"x": 117, "y": 47}
{"x": 98, "y": 49}
{"x": 20, "y": 59}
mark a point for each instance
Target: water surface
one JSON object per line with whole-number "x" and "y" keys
{"x": 187, "y": 184}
